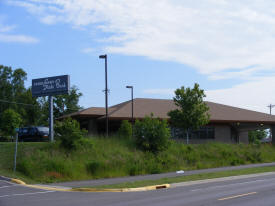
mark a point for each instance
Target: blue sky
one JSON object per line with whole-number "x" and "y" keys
{"x": 227, "y": 46}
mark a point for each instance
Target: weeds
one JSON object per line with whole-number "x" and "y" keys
{"x": 100, "y": 157}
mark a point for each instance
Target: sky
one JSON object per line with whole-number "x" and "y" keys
{"x": 157, "y": 46}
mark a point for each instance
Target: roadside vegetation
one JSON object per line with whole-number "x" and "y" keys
{"x": 114, "y": 157}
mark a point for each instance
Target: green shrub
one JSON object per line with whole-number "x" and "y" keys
{"x": 69, "y": 133}
{"x": 25, "y": 167}
{"x": 256, "y": 136}
{"x": 94, "y": 167}
{"x": 135, "y": 169}
{"x": 125, "y": 129}
{"x": 152, "y": 134}
{"x": 12, "y": 120}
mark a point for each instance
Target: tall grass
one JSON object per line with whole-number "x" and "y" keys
{"x": 114, "y": 157}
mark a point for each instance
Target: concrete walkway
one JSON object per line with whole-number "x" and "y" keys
{"x": 109, "y": 181}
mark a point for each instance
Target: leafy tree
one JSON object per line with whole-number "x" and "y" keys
{"x": 12, "y": 121}
{"x": 192, "y": 110}
{"x": 67, "y": 103}
{"x": 125, "y": 129}
{"x": 256, "y": 136}
{"x": 12, "y": 91}
{"x": 69, "y": 133}
{"x": 152, "y": 134}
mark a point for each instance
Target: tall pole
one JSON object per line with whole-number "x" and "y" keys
{"x": 132, "y": 105}
{"x": 106, "y": 92}
{"x": 270, "y": 131}
{"x": 106, "y": 96}
{"x": 270, "y": 108}
{"x": 15, "y": 152}
{"x": 51, "y": 118}
{"x": 132, "y": 97}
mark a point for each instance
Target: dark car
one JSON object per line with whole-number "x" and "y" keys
{"x": 33, "y": 134}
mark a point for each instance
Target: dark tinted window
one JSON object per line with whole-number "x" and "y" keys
{"x": 206, "y": 132}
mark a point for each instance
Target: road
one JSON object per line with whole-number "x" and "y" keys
{"x": 255, "y": 191}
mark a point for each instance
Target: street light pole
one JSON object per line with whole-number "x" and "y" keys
{"x": 132, "y": 94}
{"x": 106, "y": 92}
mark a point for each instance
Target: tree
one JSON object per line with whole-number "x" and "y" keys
{"x": 152, "y": 134}
{"x": 125, "y": 130}
{"x": 12, "y": 121}
{"x": 256, "y": 136}
{"x": 192, "y": 110}
{"x": 12, "y": 91}
{"x": 69, "y": 133}
{"x": 67, "y": 103}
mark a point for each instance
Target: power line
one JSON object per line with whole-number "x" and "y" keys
{"x": 30, "y": 105}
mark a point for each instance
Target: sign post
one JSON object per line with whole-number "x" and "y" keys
{"x": 51, "y": 86}
{"x": 51, "y": 118}
{"x": 15, "y": 152}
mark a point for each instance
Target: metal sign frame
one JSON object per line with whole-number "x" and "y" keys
{"x": 50, "y": 86}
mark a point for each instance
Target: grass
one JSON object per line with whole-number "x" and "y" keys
{"x": 117, "y": 157}
{"x": 187, "y": 178}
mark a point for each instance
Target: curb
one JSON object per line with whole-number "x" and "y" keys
{"x": 138, "y": 189}
{"x": 20, "y": 182}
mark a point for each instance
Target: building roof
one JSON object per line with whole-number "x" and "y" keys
{"x": 160, "y": 108}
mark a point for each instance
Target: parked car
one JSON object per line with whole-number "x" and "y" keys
{"x": 33, "y": 134}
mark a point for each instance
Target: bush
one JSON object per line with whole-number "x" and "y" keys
{"x": 152, "y": 134}
{"x": 256, "y": 136}
{"x": 25, "y": 167}
{"x": 125, "y": 129}
{"x": 69, "y": 133}
{"x": 11, "y": 120}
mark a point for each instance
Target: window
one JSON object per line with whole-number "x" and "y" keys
{"x": 205, "y": 132}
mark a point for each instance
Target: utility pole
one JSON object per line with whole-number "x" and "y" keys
{"x": 270, "y": 108}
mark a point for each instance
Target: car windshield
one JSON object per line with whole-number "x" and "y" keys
{"x": 43, "y": 129}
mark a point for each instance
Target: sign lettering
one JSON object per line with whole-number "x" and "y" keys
{"x": 51, "y": 86}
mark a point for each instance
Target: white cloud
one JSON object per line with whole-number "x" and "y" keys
{"x": 6, "y": 36}
{"x": 254, "y": 95}
{"x": 88, "y": 50}
{"x": 17, "y": 38}
{"x": 210, "y": 35}
{"x": 4, "y": 28}
{"x": 220, "y": 38}
{"x": 159, "y": 91}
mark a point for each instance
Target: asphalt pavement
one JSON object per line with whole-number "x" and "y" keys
{"x": 248, "y": 191}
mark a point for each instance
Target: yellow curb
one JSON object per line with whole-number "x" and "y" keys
{"x": 18, "y": 181}
{"x": 95, "y": 190}
{"x": 138, "y": 189}
{"x": 49, "y": 188}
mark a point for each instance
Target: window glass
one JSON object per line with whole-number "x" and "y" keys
{"x": 43, "y": 129}
{"x": 205, "y": 132}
